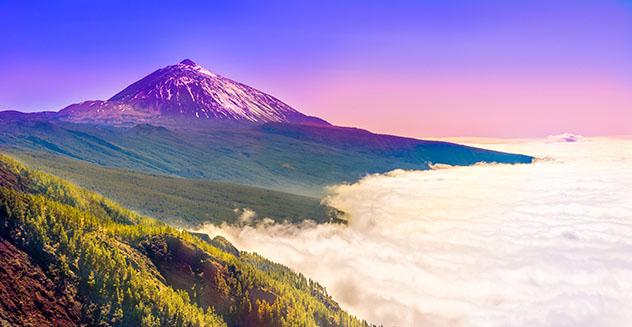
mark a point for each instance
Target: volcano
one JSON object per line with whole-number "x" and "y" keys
{"x": 187, "y": 91}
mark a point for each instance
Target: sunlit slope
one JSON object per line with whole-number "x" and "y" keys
{"x": 182, "y": 201}
{"x": 292, "y": 158}
{"x": 113, "y": 267}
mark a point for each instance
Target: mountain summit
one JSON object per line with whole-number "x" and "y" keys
{"x": 188, "y": 62}
{"x": 187, "y": 91}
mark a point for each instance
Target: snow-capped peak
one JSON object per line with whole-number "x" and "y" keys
{"x": 188, "y": 90}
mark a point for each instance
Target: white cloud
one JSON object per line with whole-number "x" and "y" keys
{"x": 546, "y": 244}
{"x": 246, "y": 215}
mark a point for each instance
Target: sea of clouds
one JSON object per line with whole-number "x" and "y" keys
{"x": 545, "y": 244}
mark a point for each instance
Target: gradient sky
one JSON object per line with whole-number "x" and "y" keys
{"x": 416, "y": 68}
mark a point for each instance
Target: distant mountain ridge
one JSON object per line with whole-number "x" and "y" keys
{"x": 186, "y": 91}
{"x": 299, "y": 159}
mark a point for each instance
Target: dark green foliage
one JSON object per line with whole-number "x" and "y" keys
{"x": 179, "y": 200}
{"x": 130, "y": 270}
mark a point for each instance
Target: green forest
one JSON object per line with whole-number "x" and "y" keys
{"x": 181, "y": 201}
{"x": 120, "y": 268}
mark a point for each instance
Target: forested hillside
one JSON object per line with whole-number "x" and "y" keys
{"x": 87, "y": 260}
{"x": 182, "y": 201}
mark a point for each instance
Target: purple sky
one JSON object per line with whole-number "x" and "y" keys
{"x": 418, "y": 68}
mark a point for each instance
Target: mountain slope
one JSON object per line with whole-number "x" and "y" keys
{"x": 403, "y": 148}
{"x": 180, "y": 201}
{"x": 186, "y": 90}
{"x": 112, "y": 267}
{"x": 292, "y": 158}
{"x": 29, "y": 297}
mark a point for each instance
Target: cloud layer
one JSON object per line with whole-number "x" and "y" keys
{"x": 546, "y": 244}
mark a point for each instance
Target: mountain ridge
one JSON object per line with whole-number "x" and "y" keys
{"x": 298, "y": 159}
